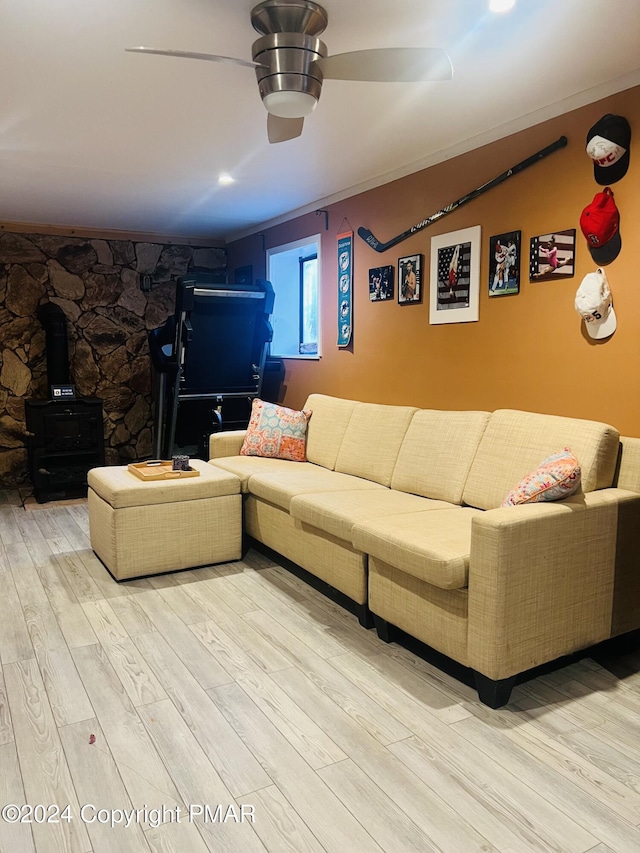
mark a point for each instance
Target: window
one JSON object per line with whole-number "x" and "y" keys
{"x": 294, "y": 272}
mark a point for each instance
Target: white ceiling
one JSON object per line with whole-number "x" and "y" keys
{"x": 91, "y": 136}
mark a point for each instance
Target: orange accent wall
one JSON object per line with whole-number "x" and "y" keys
{"x": 528, "y": 351}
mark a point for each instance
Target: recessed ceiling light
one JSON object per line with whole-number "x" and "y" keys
{"x": 501, "y": 5}
{"x": 225, "y": 179}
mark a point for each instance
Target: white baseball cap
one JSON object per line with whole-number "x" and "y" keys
{"x": 594, "y": 304}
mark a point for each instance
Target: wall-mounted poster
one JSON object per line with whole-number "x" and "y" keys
{"x": 552, "y": 256}
{"x": 455, "y": 276}
{"x": 345, "y": 287}
{"x": 381, "y": 284}
{"x": 410, "y": 280}
{"x": 504, "y": 264}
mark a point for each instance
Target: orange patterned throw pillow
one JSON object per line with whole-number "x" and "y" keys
{"x": 276, "y": 432}
{"x": 557, "y": 477}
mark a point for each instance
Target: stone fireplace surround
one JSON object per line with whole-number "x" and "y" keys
{"x": 96, "y": 282}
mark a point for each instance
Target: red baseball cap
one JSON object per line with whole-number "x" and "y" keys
{"x": 600, "y": 224}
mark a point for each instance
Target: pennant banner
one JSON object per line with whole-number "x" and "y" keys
{"x": 345, "y": 287}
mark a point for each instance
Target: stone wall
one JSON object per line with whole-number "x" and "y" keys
{"x": 97, "y": 285}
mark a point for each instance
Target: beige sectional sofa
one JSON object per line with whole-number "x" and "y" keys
{"x": 399, "y": 510}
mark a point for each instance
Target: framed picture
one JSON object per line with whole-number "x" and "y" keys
{"x": 243, "y": 275}
{"x": 504, "y": 263}
{"x": 552, "y": 256}
{"x": 455, "y": 276}
{"x": 381, "y": 284}
{"x": 410, "y": 280}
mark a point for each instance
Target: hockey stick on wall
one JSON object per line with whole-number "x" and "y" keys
{"x": 368, "y": 237}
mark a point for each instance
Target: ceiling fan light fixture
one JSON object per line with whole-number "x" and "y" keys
{"x": 287, "y": 104}
{"x": 501, "y": 5}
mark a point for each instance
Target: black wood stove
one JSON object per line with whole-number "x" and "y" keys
{"x": 65, "y": 434}
{"x": 67, "y": 439}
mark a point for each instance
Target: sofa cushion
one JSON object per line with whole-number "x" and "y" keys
{"x": 555, "y": 478}
{"x": 372, "y": 440}
{"x": 227, "y": 443}
{"x": 276, "y": 432}
{"x": 244, "y": 466}
{"x": 514, "y": 442}
{"x": 437, "y": 452}
{"x": 431, "y": 546}
{"x": 328, "y": 559}
{"x": 280, "y": 487}
{"x": 336, "y": 512}
{"x": 327, "y": 427}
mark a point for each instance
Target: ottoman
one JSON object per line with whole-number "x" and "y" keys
{"x": 140, "y": 528}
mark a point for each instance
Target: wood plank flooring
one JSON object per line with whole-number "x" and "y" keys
{"x": 234, "y": 708}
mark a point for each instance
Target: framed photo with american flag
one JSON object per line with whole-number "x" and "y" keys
{"x": 454, "y": 292}
{"x": 552, "y": 256}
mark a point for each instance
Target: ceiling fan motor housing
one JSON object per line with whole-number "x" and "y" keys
{"x": 289, "y": 80}
{"x": 289, "y": 64}
{"x": 289, "y": 16}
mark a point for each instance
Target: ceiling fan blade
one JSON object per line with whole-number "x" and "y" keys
{"x": 389, "y": 65}
{"x": 281, "y": 129}
{"x": 186, "y": 54}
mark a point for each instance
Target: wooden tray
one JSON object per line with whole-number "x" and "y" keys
{"x": 159, "y": 470}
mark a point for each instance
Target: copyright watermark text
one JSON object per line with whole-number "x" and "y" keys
{"x": 154, "y": 817}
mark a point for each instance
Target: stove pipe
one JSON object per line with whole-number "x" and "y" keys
{"x": 54, "y": 321}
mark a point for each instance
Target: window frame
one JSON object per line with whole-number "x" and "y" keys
{"x": 308, "y": 243}
{"x": 302, "y": 260}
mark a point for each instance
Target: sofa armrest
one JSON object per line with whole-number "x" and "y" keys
{"x": 226, "y": 443}
{"x": 542, "y": 578}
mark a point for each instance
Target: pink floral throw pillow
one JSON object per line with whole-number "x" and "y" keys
{"x": 555, "y": 478}
{"x": 276, "y": 432}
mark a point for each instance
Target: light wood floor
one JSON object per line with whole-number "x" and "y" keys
{"x": 240, "y": 687}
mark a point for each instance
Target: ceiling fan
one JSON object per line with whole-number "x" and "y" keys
{"x": 290, "y": 63}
